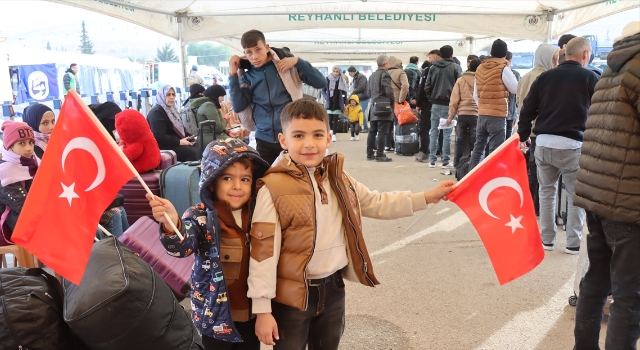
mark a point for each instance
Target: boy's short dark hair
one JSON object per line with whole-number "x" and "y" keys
{"x": 435, "y": 52}
{"x": 414, "y": 59}
{"x": 446, "y": 51}
{"x": 509, "y": 56}
{"x": 246, "y": 162}
{"x": 305, "y": 108}
{"x": 251, "y": 38}
{"x": 565, "y": 39}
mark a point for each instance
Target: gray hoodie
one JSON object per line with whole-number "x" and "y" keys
{"x": 543, "y": 62}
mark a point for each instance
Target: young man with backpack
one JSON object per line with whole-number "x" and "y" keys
{"x": 413, "y": 76}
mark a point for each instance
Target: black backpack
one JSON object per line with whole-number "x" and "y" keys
{"x": 414, "y": 81}
{"x": 462, "y": 169}
{"x": 31, "y": 315}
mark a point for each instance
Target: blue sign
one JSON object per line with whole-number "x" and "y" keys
{"x": 37, "y": 82}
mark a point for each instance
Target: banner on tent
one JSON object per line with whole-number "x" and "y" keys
{"x": 37, "y": 82}
{"x": 411, "y": 17}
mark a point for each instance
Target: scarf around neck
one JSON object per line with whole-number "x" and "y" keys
{"x": 42, "y": 140}
{"x": 16, "y": 168}
{"x": 172, "y": 111}
{"x": 332, "y": 81}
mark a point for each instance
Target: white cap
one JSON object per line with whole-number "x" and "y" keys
{"x": 630, "y": 29}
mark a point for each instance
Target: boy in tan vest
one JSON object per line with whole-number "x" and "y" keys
{"x": 307, "y": 234}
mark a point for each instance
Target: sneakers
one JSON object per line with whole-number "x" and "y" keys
{"x": 423, "y": 158}
{"x": 357, "y": 137}
{"x": 351, "y": 138}
{"x": 371, "y": 158}
{"x": 333, "y": 138}
{"x": 419, "y": 155}
{"x": 364, "y": 131}
{"x": 383, "y": 159}
{"x": 432, "y": 165}
{"x": 547, "y": 246}
{"x": 572, "y": 250}
{"x": 446, "y": 166}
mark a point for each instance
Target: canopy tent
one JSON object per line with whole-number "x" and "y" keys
{"x": 359, "y": 30}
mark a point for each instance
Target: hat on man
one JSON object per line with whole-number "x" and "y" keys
{"x": 352, "y": 69}
{"x": 194, "y": 67}
{"x": 446, "y": 51}
{"x": 14, "y": 132}
{"x": 630, "y": 29}
{"x": 499, "y": 49}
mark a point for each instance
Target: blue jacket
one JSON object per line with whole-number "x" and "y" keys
{"x": 263, "y": 90}
{"x": 201, "y": 229}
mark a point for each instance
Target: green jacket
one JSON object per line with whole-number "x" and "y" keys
{"x": 207, "y": 110}
{"x": 70, "y": 82}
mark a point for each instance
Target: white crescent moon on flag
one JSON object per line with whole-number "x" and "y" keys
{"x": 492, "y": 185}
{"x": 89, "y": 146}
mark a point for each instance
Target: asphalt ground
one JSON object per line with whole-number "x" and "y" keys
{"x": 438, "y": 289}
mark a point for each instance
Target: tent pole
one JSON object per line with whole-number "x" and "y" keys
{"x": 183, "y": 64}
{"x": 550, "y": 17}
{"x": 471, "y": 45}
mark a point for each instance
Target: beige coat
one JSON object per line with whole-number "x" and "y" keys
{"x": 462, "y": 102}
{"x": 399, "y": 81}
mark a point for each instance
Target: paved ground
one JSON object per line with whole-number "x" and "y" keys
{"x": 438, "y": 289}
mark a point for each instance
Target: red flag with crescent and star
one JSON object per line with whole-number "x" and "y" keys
{"x": 80, "y": 174}
{"x": 495, "y": 196}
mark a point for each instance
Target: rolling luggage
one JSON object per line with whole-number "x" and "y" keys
{"x": 135, "y": 202}
{"x": 143, "y": 239}
{"x": 167, "y": 159}
{"x": 463, "y": 167}
{"x": 122, "y": 303}
{"x": 343, "y": 124}
{"x": 31, "y": 310}
{"x": 407, "y": 143}
{"x": 180, "y": 185}
{"x": 561, "y": 203}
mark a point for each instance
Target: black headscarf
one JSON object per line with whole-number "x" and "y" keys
{"x": 106, "y": 113}
{"x": 213, "y": 92}
{"x": 33, "y": 115}
{"x": 194, "y": 92}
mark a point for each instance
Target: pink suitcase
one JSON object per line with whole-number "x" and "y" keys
{"x": 135, "y": 202}
{"x": 143, "y": 238}
{"x": 168, "y": 158}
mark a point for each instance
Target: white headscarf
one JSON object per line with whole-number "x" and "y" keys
{"x": 332, "y": 81}
{"x": 172, "y": 111}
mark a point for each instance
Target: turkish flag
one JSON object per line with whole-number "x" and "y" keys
{"x": 80, "y": 174}
{"x": 495, "y": 196}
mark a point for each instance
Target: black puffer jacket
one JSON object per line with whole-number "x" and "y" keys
{"x": 443, "y": 75}
{"x": 13, "y": 196}
{"x": 360, "y": 86}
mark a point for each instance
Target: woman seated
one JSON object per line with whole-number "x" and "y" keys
{"x": 209, "y": 109}
{"x": 41, "y": 119}
{"x": 168, "y": 129}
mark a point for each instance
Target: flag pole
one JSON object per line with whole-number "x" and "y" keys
{"x": 115, "y": 146}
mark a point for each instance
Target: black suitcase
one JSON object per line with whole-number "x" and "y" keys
{"x": 562, "y": 202}
{"x": 343, "y": 124}
{"x": 407, "y": 139}
{"x": 121, "y": 303}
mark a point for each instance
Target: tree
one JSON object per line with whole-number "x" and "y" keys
{"x": 86, "y": 46}
{"x": 208, "y": 53}
{"x": 166, "y": 54}
{"x": 48, "y": 46}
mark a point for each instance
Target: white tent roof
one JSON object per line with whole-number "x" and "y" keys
{"x": 359, "y": 29}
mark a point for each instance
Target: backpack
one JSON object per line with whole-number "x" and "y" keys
{"x": 188, "y": 116}
{"x": 414, "y": 80}
{"x": 31, "y": 316}
{"x": 462, "y": 168}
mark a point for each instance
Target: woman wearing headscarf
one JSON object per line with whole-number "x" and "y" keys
{"x": 195, "y": 91}
{"x": 209, "y": 109}
{"x": 546, "y": 57}
{"x": 41, "y": 119}
{"x": 168, "y": 129}
{"x": 106, "y": 113}
{"x": 335, "y": 98}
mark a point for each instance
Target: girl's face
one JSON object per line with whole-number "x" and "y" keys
{"x": 336, "y": 73}
{"x": 23, "y": 148}
{"x": 220, "y": 98}
{"x": 47, "y": 123}
{"x": 171, "y": 97}
{"x": 353, "y": 102}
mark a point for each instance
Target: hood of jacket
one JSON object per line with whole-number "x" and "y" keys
{"x": 354, "y": 97}
{"x": 544, "y": 55}
{"x": 623, "y": 51}
{"x": 469, "y": 77}
{"x": 412, "y": 66}
{"x": 218, "y": 157}
{"x": 395, "y": 63}
{"x": 195, "y": 103}
{"x": 443, "y": 62}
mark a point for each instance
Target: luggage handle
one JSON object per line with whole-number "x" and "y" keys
{"x": 212, "y": 124}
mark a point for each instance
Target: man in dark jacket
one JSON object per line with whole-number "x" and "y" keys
{"x": 380, "y": 124}
{"x": 443, "y": 74}
{"x": 262, "y": 88}
{"x": 608, "y": 187}
{"x": 423, "y": 106}
{"x": 558, "y": 101}
{"x": 360, "y": 89}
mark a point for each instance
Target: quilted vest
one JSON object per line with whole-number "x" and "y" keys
{"x": 492, "y": 94}
{"x": 294, "y": 200}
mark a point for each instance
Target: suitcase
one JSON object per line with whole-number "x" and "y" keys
{"x": 407, "y": 143}
{"x": 135, "y": 203}
{"x": 180, "y": 185}
{"x": 343, "y": 124}
{"x": 143, "y": 239}
{"x": 562, "y": 203}
{"x": 122, "y": 303}
{"x": 167, "y": 159}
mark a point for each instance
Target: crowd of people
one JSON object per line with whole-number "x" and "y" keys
{"x": 269, "y": 206}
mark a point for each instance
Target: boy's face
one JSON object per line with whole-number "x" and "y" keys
{"x": 306, "y": 140}
{"x": 23, "y": 148}
{"x": 258, "y": 55}
{"x": 233, "y": 185}
{"x": 353, "y": 102}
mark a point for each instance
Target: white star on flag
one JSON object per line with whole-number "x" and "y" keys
{"x": 514, "y": 223}
{"x": 68, "y": 192}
